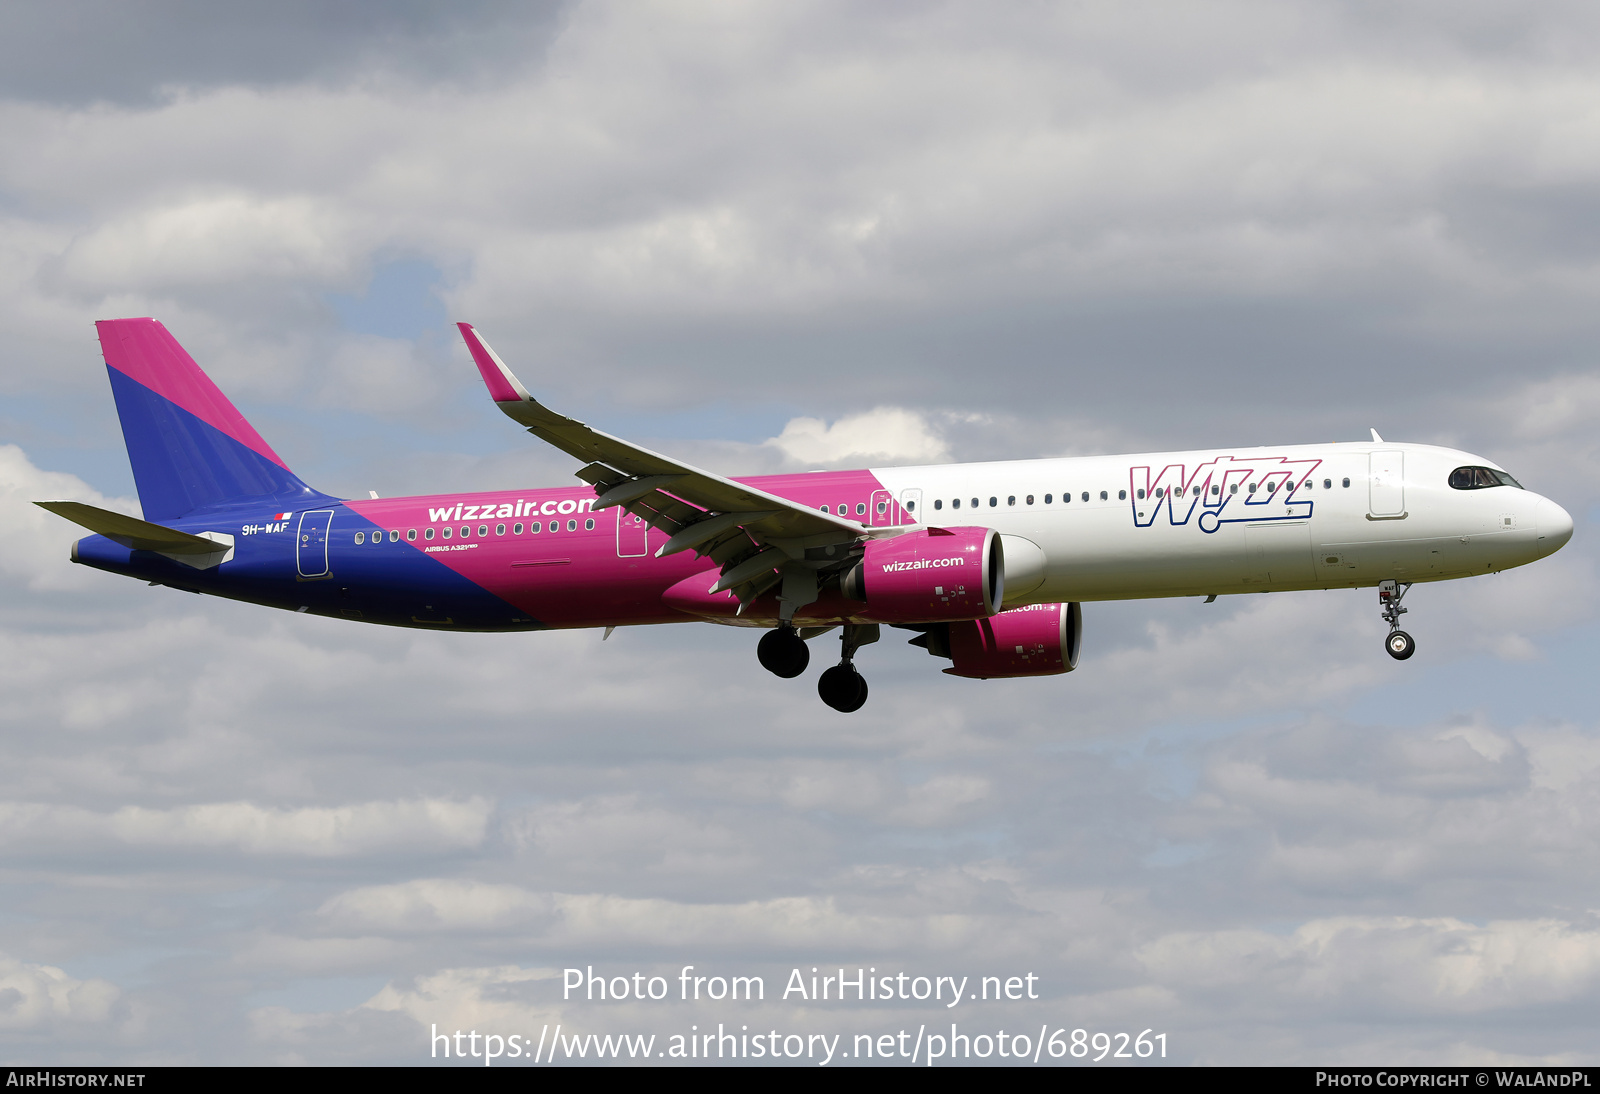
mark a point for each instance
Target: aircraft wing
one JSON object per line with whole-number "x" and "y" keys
{"x": 730, "y": 522}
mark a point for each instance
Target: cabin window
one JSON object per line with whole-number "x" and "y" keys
{"x": 466, "y": 531}
{"x": 1252, "y": 488}
{"x": 588, "y": 525}
{"x": 1103, "y": 496}
{"x": 993, "y": 502}
{"x": 861, "y": 508}
{"x": 955, "y": 503}
{"x": 1011, "y": 499}
{"x": 974, "y": 503}
{"x": 824, "y": 508}
{"x": 1030, "y": 499}
{"x": 938, "y": 503}
{"x": 1271, "y": 487}
{"x": 516, "y": 529}
{"x": 1215, "y": 490}
{"x": 1139, "y": 494}
{"x": 1347, "y": 484}
{"x": 499, "y": 529}
{"x": 535, "y": 528}
{"x": 361, "y": 537}
{"x": 428, "y": 534}
{"x": 447, "y": 532}
{"x": 572, "y": 526}
{"x": 911, "y": 507}
{"x": 1197, "y": 491}
{"x": 1047, "y": 499}
{"x": 394, "y": 535}
{"x": 1122, "y": 495}
{"x": 1327, "y": 484}
{"x": 411, "y": 535}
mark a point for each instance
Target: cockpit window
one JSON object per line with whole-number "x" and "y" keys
{"x": 1480, "y": 478}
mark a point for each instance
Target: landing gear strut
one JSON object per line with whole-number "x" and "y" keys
{"x": 842, "y": 687}
{"x": 1399, "y": 644}
{"x": 782, "y": 653}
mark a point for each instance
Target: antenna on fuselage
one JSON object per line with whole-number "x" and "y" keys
{"x": 1377, "y": 439}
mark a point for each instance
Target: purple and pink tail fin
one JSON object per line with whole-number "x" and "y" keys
{"x": 189, "y": 447}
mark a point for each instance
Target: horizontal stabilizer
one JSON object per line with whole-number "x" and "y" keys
{"x": 201, "y": 552}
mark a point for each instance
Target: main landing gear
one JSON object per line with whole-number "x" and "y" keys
{"x": 1399, "y": 644}
{"x": 784, "y": 653}
{"x": 842, "y": 687}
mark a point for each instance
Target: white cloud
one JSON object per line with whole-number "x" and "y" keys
{"x": 206, "y": 241}
{"x": 424, "y": 825}
{"x": 882, "y": 435}
{"x": 437, "y": 904}
{"x": 475, "y": 998}
{"x": 43, "y": 997}
{"x": 1388, "y": 964}
{"x": 35, "y": 544}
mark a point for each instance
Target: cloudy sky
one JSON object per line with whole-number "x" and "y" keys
{"x": 780, "y": 236}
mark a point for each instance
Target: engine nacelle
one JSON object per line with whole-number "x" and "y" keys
{"x": 929, "y": 576}
{"x": 1037, "y": 640}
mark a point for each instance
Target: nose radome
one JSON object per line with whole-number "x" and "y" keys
{"x": 1555, "y": 525}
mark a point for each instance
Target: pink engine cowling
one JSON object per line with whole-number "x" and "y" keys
{"x": 1036, "y": 640}
{"x": 929, "y": 576}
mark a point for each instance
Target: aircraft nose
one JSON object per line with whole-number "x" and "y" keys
{"x": 1555, "y": 526}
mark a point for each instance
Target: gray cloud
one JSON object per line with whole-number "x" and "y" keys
{"x": 94, "y": 50}
{"x": 770, "y": 238}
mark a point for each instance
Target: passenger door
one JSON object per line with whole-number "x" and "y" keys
{"x": 311, "y": 543}
{"x": 633, "y": 535}
{"x": 911, "y": 507}
{"x": 1386, "y": 488}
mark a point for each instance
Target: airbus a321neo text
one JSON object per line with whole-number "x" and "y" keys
{"x": 988, "y": 562}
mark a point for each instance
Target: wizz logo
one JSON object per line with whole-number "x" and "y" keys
{"x": 1224, "y": 491}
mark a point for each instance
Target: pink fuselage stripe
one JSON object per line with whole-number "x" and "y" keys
{"x": 578, "y": 577}
{"x": 145, "y": 352}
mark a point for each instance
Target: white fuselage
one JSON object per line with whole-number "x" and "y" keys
{"x": 1228, "y": 521}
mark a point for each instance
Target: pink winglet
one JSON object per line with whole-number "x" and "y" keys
{"x": 503, "y": 387}
{"x": 143, "y": 351}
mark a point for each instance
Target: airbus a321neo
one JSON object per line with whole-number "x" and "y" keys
{"x": 986, "y": 562}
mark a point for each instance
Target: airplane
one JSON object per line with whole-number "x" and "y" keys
{"x": 987, "y": 564}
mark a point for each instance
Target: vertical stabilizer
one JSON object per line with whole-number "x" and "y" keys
{"x": 189, "y": 447}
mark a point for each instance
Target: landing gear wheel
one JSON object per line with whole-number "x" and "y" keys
{"x": 843, "y": 688}
{"x": 1400, "y": 645}
{"x": 782, "y": 653}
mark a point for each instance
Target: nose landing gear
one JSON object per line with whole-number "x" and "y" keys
{"x": 842, "y": 687}
{"x": 1399, "y": 644}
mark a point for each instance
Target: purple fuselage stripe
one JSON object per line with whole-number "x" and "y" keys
{"x": 485, "y": 576}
